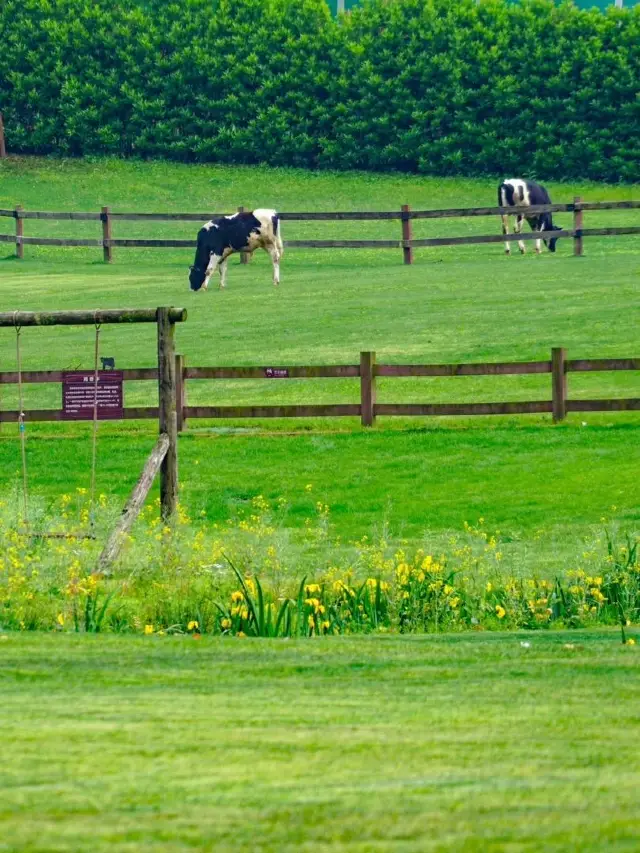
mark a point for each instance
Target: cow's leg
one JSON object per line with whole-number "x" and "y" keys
{"x": 214, "y": 260}
{"x": 518, "y": 230}
{"x": 222, "y": 269}
{"x": 537, "y": 224}
{"x": 505, "y": 230}
{"x": 275, "y": 257}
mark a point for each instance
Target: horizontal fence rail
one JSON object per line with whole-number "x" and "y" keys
{"x": 87, "y": 318}
{"x": 367, "y": 372}
{"x": 340, "y": 215}
{"x": 406, "y": 242}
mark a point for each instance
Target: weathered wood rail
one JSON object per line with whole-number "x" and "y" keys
{"x": 406, "y": 242}
{"x": 134, "y": 504}
{"x": 367, "y": 372}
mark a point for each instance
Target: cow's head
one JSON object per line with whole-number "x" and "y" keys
{"x": 204, "y": 248}
{"x": 551, "y": 243}
{"x": 197, "y": 275}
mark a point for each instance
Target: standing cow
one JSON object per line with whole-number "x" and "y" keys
{"x": 242, "y": 232}
{"x": 520, "y": 195}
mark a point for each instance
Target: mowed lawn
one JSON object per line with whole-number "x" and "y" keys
{"x": 460, "y": 743}
{"x": 546, "y": 485}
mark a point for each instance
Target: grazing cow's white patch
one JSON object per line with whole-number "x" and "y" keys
{"x": 520, "y": 195}
{"x": 240, "y": 232}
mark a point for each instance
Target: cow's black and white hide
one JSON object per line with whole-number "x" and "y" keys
{"x": 520, "y": 195}
{"x": 242, "y": 232}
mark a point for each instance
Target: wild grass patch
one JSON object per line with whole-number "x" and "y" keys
{"x": 251, "y": 576}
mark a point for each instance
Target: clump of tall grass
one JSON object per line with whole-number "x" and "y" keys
{"x": 252, "y": 577}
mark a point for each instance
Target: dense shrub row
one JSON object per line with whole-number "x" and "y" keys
{"x": 434, "y": 86}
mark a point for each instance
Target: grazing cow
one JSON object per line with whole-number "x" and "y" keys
{"x": 242, "y": 232}
{"x": 520, "y": 195}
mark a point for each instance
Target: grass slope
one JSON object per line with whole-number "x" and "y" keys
{"x": 464, "y": 743}
{"x": 454, "y": 304}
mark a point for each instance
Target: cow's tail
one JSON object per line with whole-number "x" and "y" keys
{"x": 275, "y": 219}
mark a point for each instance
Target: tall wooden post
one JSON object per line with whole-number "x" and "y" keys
{"x": 244, "y": 256}
{"x": 367, "y": 388}
{"x": 407, "y": 251}
{"x": 558, "y": 383}
{"x": 167, "y": 413}
{"x": 19, "y": 231}
{"x": 181, "y": 395}
{"x": 577, "y": 226}
{"x": 107, "y": 251}
{"x": 3, "y": 147}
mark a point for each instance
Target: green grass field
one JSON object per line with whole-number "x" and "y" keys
{"x": 421, "y": 477}
{"x": 460, "y": 743}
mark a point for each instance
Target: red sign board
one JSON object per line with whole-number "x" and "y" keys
{"x": 78, "y": 393}
{"x": 276, "y": 373}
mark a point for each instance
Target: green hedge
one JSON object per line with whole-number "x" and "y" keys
{"x": 435, "y": 86}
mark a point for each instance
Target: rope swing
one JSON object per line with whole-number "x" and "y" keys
{"x": 94, "y": 434}
{"x": 21, "y": 426}
{"x": 90, "y": 534}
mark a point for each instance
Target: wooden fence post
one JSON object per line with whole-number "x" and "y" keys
{"x": 19, "y": 230}
{"x": 167, "y": 412}
{"x": 3, "y": 147}
{"x": 367, "y": 388}
{"x": 181, "y": 392}
{"x": 244, "y": 256}
{"x": 577, "y": 226}
{"x": 107, "y": 251}
{"x": 407, "y": 251}
{"x": 558, "y": 383}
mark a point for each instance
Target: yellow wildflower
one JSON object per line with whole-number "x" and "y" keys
{"x": 225, "y": 624}
{"x": 192, "y": 625}
{"x": 148, "y": 629}
{"x": 500, "y": 612}
{"x": 60, "y": 619}
{"x": 237, "y": 595}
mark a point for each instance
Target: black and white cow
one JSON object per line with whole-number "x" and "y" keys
{"x": 520, "y": 195}
{"x": 242, "y": 232}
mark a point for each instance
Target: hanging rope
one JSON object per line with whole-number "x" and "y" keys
{"x": 94, "y": 442}
{"x": 21, "y": 422}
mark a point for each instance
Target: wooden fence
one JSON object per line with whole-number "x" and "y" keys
{"x": 367, "y": 371}
{"x": 406, "y": 243}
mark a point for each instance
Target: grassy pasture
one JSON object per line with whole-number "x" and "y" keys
{"x": 454, "y": 304}
{"x": 459, "y": 743}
